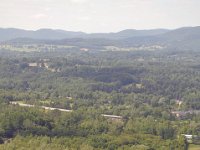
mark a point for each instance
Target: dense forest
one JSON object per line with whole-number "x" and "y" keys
{"x": 154, "y": 95}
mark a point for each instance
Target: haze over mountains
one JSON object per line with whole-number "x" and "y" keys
{"x": 50, "y": 34}
{"x": 182, "y": 38}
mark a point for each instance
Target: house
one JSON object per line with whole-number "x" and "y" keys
{"x": 190, "y": 138}
{"x": 179, "y": 113}
{"x": 113, "y": 117}
{"x": 68, "y": 97}
{"x": 179, "y": 102}
{"x": 185, "y": 113}
{"x": 32, "y": 64}
{"x": 84, "y": 49}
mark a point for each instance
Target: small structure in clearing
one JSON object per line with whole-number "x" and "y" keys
{"x": 113, "y": 117}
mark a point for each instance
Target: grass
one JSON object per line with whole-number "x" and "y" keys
{"x": 194, "y": 147}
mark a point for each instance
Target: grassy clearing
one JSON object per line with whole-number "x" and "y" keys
{"x": 194, "y": 147}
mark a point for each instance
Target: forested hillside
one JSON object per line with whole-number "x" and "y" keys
{"x": 153, "y": 95}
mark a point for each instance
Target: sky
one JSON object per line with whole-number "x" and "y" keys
{"x": 99, "y": 15}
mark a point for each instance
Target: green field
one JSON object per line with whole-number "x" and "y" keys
{"x": 194, "y": 147}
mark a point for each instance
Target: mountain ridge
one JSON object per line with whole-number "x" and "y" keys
{"x": 187, "y": 38}
{"x": 56, "y": 34}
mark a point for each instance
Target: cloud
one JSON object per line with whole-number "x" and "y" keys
{"x": 39, "y": 16}
{"x": 79, "y": 1}
{"x": 84, "y": 18}
{"x": 47, "y": 9}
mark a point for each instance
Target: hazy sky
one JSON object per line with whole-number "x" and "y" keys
{"x": 99, "y": 15}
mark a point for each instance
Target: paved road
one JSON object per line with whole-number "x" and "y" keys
{"x": 47, "y": 108}
{"x": 63, "y": 110}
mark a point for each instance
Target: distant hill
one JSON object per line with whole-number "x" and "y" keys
{"x": 187, "y": 38}
{"x": 183, "y": 38}
{"x": 183, "y": 33}
{"x": 12, "y": 33}
{"x": 128, "y": 34}
{"x": 49, "y": 34}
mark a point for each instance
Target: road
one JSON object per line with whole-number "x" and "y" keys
{"x": 44, "y": 107}
{"x": 63, "y": 110}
